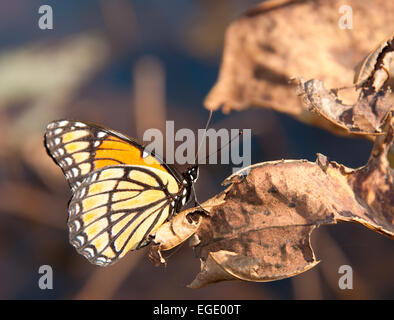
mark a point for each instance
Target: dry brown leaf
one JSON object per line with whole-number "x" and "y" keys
{"x": 277, "y": 40}
{"x": 259, "y": 228}
{"x": 373, "y": 70}
{"x": 365, "y": 117}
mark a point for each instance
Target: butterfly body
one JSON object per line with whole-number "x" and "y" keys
{"x": 120, "y": 192}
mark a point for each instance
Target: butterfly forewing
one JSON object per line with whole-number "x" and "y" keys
{"x": 80, "y": 148}
{"x": 115, "y": 209}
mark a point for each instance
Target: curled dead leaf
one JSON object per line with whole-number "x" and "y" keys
{"x": 373, "y": 70}
{"x": 365, "y": 117}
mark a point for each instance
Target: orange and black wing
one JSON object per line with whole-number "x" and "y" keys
{"x": 80, "y": 148}
{"x": 121, "y": 194}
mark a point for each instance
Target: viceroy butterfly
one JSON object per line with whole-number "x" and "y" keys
{"x": 120, "y": 192}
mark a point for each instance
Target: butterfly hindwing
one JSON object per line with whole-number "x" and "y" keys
{"x": 115, "y": 209}
{"x": 80, "y": 148}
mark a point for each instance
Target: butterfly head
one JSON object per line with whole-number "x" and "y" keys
{"x": 191, "y": 174}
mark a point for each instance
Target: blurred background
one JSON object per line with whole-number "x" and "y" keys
{"x": 130, "y": 66}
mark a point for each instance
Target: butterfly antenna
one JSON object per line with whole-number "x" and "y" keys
{"x": 196, "y": 202}
{"x": 240, "y": 133}
{"x": 205, "y": 133}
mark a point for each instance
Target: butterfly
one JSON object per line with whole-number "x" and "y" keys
{"x": 121, "y": 193}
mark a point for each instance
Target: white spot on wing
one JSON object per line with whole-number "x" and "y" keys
{"x": 58, "y": 130}
{"x": 102, "y": 260}
{"x": 82, "y": 192}
{"x": 63, "y": 123}
{"x": 101, "y": 134}
{"x": 99, "y": 262}
{"x": 81, "y": 240}
{"x": 89, "y": 251}
{"x": 75, "y": 172}
{"x": 77, "y": 225}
